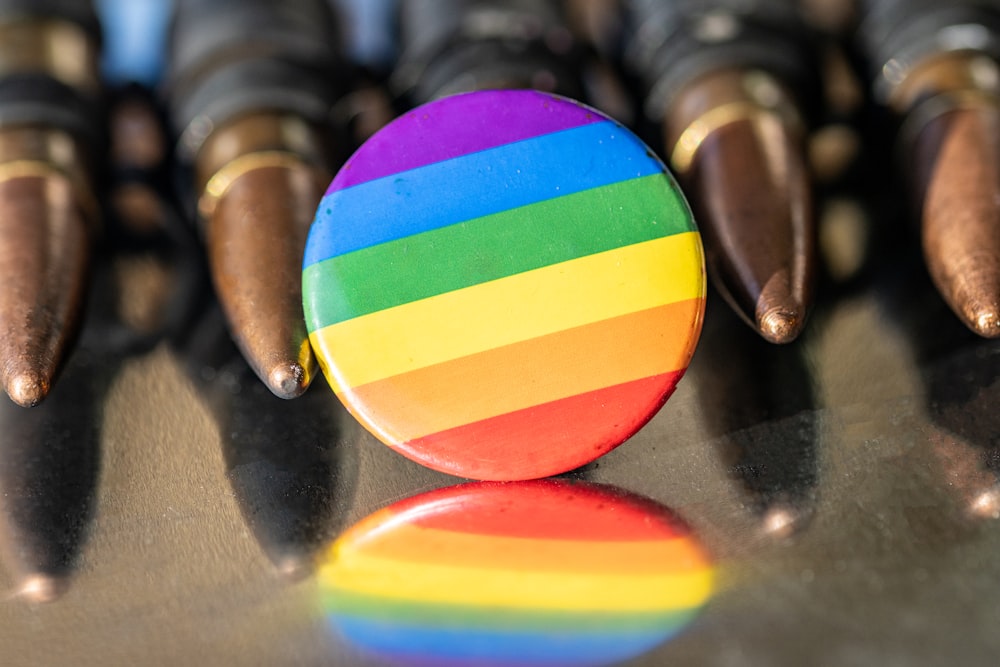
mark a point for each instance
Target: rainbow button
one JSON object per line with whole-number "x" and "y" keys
{"x": 539, "y": 573}
{"x": 503, "y": 285}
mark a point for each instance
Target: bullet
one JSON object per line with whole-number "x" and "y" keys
{"x": 257, "y": 207}
{"x": 455, "y": 46}
{"x": 43, "y": 265}
{"x": 737, "y": 144}
{"x": 936, "y": 67}
{"x": 599, "y": 21}
{"x": 251, "y": 89}
{"x": 959, "y": 154}
{"x": 49, "y": 129}
{"x": 727, "y": 81}
{"x": 138, "y": 155}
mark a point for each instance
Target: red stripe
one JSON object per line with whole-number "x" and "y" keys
{"x": 547, "y": 509}
{"x": 544, "y": 439}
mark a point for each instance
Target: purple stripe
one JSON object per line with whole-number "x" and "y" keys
{"x": 473, "y": 122}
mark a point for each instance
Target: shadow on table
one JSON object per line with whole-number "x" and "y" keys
{"x": 50, "y": 454}
{"x": 759, "y": 405}
{"x": 292, "y": 477}
{"x": 960, "y": 372}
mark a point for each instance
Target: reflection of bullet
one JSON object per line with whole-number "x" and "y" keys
{"x": 252, "y": 85}
{"x": 964, "y": 422}
{"x": 965, "y": 471}
{"x": 936, "y": 66}
{"x": 48, "y": 119}
{"x": 721, "y": 75}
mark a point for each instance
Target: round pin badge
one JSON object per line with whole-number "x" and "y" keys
{"x": 503, "y": 285}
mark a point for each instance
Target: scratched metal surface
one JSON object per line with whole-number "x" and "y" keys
{"x": 184, "y": 505}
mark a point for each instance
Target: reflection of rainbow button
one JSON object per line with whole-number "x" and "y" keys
{"x": 532, "y": 573}
{"x": 503, "y": 284}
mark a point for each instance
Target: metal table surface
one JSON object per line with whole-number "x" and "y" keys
{"x": 845, "y": 487}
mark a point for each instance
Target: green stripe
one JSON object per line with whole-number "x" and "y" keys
{"x": 345, "y": 603}
{"x": 492, "y": 247}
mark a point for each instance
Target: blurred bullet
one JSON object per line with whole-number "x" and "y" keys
{"x": 958, "y": 152}
{"x": 455, "y": 46}
{"x": 150, "y": 246}
{"x": 252, "y": 86}
{"x": 599, "y": 21}
{"x": 936, "y": 67}
{"x": 832, "y": 16}
{"x": 727, "y": 80}
{"x": 49, "y": 86}
{"x": 140, "y": 210}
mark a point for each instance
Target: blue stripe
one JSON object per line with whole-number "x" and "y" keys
{"x": 501, "y": 646}
{"x": 467, "y": 187}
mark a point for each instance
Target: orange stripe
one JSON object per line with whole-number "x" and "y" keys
{"x": 422, "y": 545}
{"x": 545, "y": 439}
{"x": 518, "y": 376}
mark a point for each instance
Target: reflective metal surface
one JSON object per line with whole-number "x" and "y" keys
{"x": 845, "y": 487}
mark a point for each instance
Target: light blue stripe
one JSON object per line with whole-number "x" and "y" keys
{"x": 467, "y": 187}
{"x": 503, "y": 647}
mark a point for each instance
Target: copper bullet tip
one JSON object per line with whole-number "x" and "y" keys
{"x": 40, "y": 588}
{"x": 27, "y": 388}
{"x": 986, "y": 322}
{"x": 780, "y": 325}
{"x": 288, "y": 380}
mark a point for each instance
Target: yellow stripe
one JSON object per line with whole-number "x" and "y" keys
{"x": 447, "y": 584}
{"x": 509, "y": 310}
